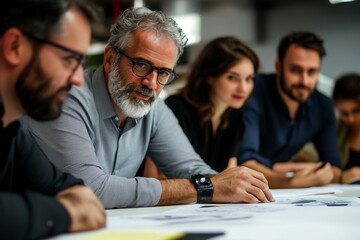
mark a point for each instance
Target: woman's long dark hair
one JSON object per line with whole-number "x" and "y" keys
{"x": 215, "y": 59}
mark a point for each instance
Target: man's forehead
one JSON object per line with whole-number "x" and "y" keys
{"x": 297, "y": 52}
{"x": 348, "y": 104}
{"x": 158, "y": 49}
{"x": 75, "y": 31}
{"x": 303, "y": 66}
{"x": 301, "y": 57}
{"x": 149, "y": 39}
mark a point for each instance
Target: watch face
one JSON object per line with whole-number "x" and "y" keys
{"x": 203, "y": 182}
{"x": 204, "y": 188}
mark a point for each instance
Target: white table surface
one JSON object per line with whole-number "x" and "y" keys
{"x": 310, "y": 218}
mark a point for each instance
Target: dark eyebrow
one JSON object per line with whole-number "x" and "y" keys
{"x": 313, "y": 69}
{"x": 234, "y": 73}
{"x": 295, "y": 66}
{"x": 298, "y": 66}
{"x": 166, "y": 69}
{"x": 237, "y": 74}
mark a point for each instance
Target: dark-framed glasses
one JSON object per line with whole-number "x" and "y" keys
{"x": 74, "y": 60}
{"x": 143, "y": 68}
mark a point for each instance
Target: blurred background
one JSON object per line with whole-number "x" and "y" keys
{"x": 259, "y": 23}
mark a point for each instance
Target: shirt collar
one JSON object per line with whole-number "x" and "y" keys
{"x": 304, "y": 108}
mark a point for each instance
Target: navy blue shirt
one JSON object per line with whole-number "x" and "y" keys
{"x": 271, "y": 136}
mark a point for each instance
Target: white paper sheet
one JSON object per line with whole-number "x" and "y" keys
{"x": 297, "y": 192}
{"x": 297, "y": 214}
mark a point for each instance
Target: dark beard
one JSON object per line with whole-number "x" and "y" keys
{"x": 288, "y": 91}
{"x": 32, "y": 92}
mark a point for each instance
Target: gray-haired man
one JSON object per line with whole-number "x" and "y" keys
{"x": 116, "y": 119}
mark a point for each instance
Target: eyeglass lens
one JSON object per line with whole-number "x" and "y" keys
{"x": 81, "y": 61}
{"x": 74, "y": 62}
{"x": 142, "y": 68}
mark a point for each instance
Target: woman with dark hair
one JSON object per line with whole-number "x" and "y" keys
{"x": 208, "y": 108}
{"x": 346, "y": 97}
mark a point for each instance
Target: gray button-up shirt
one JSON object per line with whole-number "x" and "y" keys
{"x": 87, "y": 142}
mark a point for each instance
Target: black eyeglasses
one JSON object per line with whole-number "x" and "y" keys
{"x": 143, "y": 68}
{"x": 74, "y": 61}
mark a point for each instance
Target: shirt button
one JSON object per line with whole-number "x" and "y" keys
{"x": 116, "y": 171}
{"x": 116, "y": 118}
{"x": 49, "y": 224}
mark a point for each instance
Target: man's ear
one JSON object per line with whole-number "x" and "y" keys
{"x": 12, "y": 46}
{"x": 109, "y": 58}
{"x": 278, "y": 67}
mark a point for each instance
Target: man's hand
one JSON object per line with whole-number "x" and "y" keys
{"x": 351, "y": 175}
{"x": 305, "y": 174}
{"x": 283, "y": 167}
{"x": 315, "y": 175}
{"x": 241, "y": 184}
{"x": 85, "y": 209}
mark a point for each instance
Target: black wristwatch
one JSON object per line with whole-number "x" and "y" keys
{"x": 204, "y": 188}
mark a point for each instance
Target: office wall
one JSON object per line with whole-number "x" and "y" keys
{"x": 338, "y": 25}
{"x": 262, "y": 26}
{"x": 225, "y": 19}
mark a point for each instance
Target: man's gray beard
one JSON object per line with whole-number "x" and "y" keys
{"x": 120, "y": 93}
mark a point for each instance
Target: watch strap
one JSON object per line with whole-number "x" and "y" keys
{"x": 204, "y": 188}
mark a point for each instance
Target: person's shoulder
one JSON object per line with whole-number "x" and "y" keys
{"x": 321, "y": 105}
{"x": 159, "y": 112}
{"x": 176, "y": 99}
{"x": 321, "y": 99}
{"x": 263, "y": 83}
{"x": 87, "y": 86}
{"x": 178, "y": 103}
{"x": 262, "y": 88}
{"x": 84, "y": 92}
{"x": 158, "y": 107}
{"x": 264, "y": 78}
